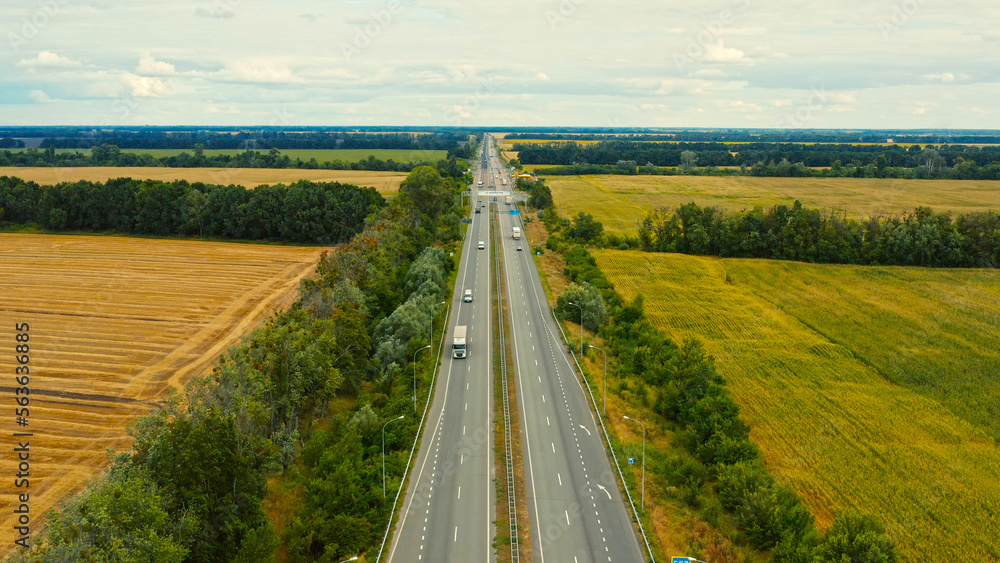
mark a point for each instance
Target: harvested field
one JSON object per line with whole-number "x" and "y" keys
{"x": 114, "y": 323}
{"x": 387, "y": 183}
{"x": 622, "y": 202}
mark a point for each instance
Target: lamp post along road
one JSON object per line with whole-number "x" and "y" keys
{"x": 605, "y": 377}
{"x": 415, "y": 375}
{"x": 643, "y": 501}
{"x": 383, "y": 452}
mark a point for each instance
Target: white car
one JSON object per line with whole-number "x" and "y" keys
{"x": 468, "y": 296}
{"x": 519, "y": 247}
{"x": 482, "y": 245}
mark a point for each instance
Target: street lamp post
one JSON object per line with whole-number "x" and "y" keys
{"x": 415, "y": 375}
{"x": 581, "y": 324}
{"x": 383, "y": 452}
{"x": 605, "y": 377}
{"x": 643, "y": 498}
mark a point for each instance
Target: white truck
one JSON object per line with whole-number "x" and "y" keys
{"x": 508, "y": 200}
{"x": 517, "y": 233}
{"x": 459, "y": 348}
{"x": 504, "y": 181}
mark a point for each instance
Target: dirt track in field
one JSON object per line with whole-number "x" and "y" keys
{"x": 114, "y": 323}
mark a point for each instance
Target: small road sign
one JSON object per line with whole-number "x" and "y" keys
{"x": 631, "y": 461}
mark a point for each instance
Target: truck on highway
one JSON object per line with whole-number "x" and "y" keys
{"x": 504, "y": 181}
{"x": 459, "y": 348}
{"x": 517, "y": 233}
{"x": 508, "y": 200}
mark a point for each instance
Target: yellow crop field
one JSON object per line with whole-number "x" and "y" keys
{"x": 806, "y": 366}
{"x": 621, "y": 202}
{"x": 387, "y": 183}
{"x": 114, "y": 323}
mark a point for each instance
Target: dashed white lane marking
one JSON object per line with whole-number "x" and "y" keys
{"x": 553, "y": 447}
{"x": 560, "y": 479}
{"x": 460, "y": 493}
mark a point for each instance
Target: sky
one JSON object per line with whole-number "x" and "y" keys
{"x": 908, "y": 64}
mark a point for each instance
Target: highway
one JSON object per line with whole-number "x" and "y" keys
{"x": 449, "y": 507}
{"x": 577, "y": 513}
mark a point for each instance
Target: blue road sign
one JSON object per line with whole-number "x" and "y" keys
{"x": 681, "y": 560}
{"x": 515, "y": 211}
{"x": 631, "y": 461}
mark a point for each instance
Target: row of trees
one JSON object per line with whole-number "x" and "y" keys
{"x": 303, "y": 212}
{"x": 693, "y": 400}
{"x": 763, "y": 159}
{"x": 921, "y": 238}
{"x": 190, "y": 489}
{"x": 112, "y": 155}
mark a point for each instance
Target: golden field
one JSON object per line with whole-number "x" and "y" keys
{"x": 387, "y": 183}
{"x": 622, "y": 202}
{"x": 807, "y": 351}
{"x": 114, "y": 324}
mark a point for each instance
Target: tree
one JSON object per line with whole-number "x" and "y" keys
{"x": 428, "y": 191}
{"x": 688, "y": 160}
{"x": 595, "y": 312}
{"x": 856, "y": 538}
{"x": 585, "y": 227}
{"x": 541, "y": 197}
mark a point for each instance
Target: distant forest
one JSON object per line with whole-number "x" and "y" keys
{"x": 767, "y": 159}
{"x": 454, "y": 166}
{"x": 923, "y": 137}
{"x": 262, "y": 138}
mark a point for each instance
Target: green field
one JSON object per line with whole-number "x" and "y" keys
{"x": 621, "y": 202}
{"x": 812, "y": 354}
{"x": 321, "y": 155}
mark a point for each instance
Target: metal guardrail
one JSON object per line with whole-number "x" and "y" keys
{"x": 511, "y": 498}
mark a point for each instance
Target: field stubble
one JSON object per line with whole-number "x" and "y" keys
{"x": 114, "y": 323}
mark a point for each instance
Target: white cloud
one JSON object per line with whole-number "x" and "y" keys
{"x": 39, "y": 97}
{"x": 48, "y": 59}
{"x": 743, "y": 107}
{"x": 145, "y": 86}
{"x": 708, "y": 73}
{"x": 719, "y": 53}
{"x": 149, "y": 66}
{"x": 543, "y": 77}
{"x": 259, "y": 71}
{"x": 219, "y": 10}
{"x": 946, "y": 77}
{"x": 782, "y": 103}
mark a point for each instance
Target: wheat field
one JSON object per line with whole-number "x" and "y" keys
{"x": 621, "y": 202}
{"x": 387, "y": 183}
{"x": 114, "y": 323}
{"x": 829, "y": 422}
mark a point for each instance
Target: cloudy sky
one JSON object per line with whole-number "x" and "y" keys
{"x": 714, "y": 63}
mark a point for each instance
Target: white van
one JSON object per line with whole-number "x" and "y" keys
{"x": 468, "y": 296}
{"x": 482, "y": 245}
